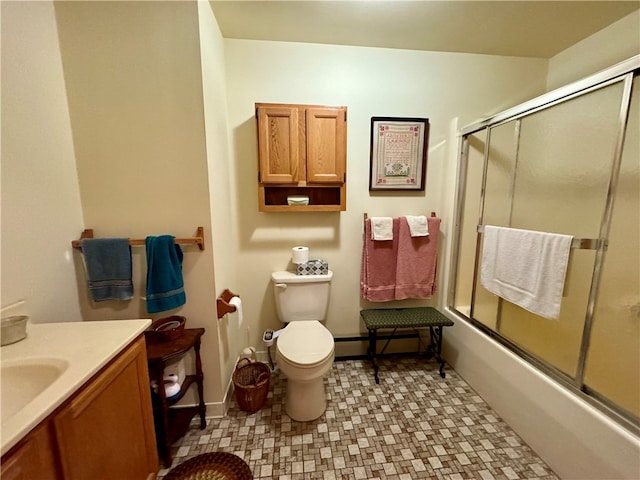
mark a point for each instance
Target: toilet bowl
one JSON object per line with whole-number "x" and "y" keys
{"x": 304, "y": 348}
{"x": 305, "y": 353}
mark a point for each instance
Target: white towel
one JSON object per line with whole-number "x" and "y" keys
{"x": 381, "y": 228}
{"x": 418, "y": 226}
{"x": 526, "y": 268}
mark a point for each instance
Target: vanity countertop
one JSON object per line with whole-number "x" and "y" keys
{"x": 84, "y": 347}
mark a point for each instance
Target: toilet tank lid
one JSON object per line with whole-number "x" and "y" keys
{"x": 292, "y": 277}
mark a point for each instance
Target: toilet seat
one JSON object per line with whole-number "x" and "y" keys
{"x": 305, "y": 343}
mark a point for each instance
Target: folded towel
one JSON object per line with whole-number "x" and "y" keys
{"x": 378, "y": 268}
{"x": 381, "y": 228}
{"x": 526, "y": 268}
{"x": 418, "y": 225}
{"x": 417, "y": 261}
{"x": 108, "y": 265}
{"x": 165, "y": 286}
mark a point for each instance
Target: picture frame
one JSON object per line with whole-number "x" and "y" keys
{"x": 398, "y": 153}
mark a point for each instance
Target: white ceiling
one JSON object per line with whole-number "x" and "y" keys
{"x": 514, "y": 28}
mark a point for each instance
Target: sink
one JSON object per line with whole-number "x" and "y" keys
{"x": 22, "y": 380}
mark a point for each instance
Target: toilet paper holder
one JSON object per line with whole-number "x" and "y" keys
{"x": 222, "y": 303}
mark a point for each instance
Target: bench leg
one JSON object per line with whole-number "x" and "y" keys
{"x": 372, "y": 352}
{"x": 436, "y": 346}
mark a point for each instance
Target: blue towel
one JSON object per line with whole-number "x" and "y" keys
{"x": 165, "y": 286}
{"x": 108, "y": 263}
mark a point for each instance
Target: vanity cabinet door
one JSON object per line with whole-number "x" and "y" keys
{"x": 33, "y": 458}
{"x": 106, "y": 431}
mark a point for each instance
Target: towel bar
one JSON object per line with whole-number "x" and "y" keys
{"x": 576, "y": 243}
{"x": 433, "y": 214}
{"x": 198, "y": 239}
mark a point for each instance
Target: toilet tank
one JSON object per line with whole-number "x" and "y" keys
{"x": 301, "y": 297}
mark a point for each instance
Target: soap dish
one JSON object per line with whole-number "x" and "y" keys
{"x": 13, "y": 329}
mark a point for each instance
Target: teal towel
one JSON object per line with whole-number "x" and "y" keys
{"x": 165, "y": 286}
{"x": 108, "y": 263}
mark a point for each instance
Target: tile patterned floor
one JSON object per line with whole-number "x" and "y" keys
{"x": 414, "y": 424}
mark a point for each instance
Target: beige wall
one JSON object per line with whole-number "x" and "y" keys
{"x": 611, "y": 45}
{"x": 134, "y": 85}
{"x": 232, "y": 337}
{"x": 168, "y": 170}
{"x": 41, "y": 209}
{"x": 370, "y": 82}
{"x": 148, "y": 163}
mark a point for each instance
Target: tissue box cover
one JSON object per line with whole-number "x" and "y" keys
{"x": 313, "y": 267}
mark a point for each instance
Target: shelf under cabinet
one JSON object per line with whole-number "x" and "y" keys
{"x": 321, "y": 198}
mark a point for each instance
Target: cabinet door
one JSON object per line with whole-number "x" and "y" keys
{"x": 33, "y": 459}
{"x": 326, "y": 145}
{"x": 278, "y": 141}
{"x": 106, "y": 431}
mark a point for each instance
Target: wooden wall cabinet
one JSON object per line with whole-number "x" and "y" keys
{"x": 302, "y": 151}
{"x": 104, "y": 431}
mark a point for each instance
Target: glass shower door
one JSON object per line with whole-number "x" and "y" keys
{"x": 558, "y": 164}
{"x": 565, "y": 160}
{"x": 613, "y": 360}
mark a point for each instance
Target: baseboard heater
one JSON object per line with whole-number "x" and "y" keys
{"x": 365, "y": 338}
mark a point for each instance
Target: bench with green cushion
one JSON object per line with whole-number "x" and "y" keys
{"x": 403, "y": 318}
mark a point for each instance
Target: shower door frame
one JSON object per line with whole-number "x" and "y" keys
{"x": 621, "y": 72}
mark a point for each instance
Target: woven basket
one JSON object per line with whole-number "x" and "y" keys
{"x": 251, "y": 382}
{"x": 167, "y": 329}
{"x": 212, "y": 466}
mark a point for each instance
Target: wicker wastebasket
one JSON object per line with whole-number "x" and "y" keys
{"x": 251, "y": 383}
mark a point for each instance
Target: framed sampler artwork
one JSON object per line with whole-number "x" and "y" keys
{"x": 398, "y": 153}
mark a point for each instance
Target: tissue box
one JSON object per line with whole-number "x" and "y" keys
{"x": 313, "y": 267}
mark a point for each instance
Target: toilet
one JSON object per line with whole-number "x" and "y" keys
{"x": 304, "y": 348}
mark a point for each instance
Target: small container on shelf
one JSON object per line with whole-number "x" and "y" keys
{"x": 167, "y": 329}
{"x": 14, "y": 329}
{"x": 297, "y": 200}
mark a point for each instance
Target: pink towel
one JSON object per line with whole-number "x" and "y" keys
{"x": 378, "y": 271}
{"x": 416, "y": 264}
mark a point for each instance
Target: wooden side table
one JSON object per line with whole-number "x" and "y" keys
{"x": 172, "y": 423}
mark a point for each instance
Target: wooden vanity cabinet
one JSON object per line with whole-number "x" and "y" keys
{"x": 302, "y": 151}
{"x": 33, "y": 458}
{"x": 105, "y": 430}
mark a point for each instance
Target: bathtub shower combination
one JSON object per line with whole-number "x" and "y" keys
{"x": 569, "y": 163}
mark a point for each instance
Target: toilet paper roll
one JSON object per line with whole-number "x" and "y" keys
{"x": 300, "y": 255}
{"x": 236, "y": 302}
{"x": 249, "y": 353}
{"x": 171, "y": 389}
{"x": 176, "y": 368}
